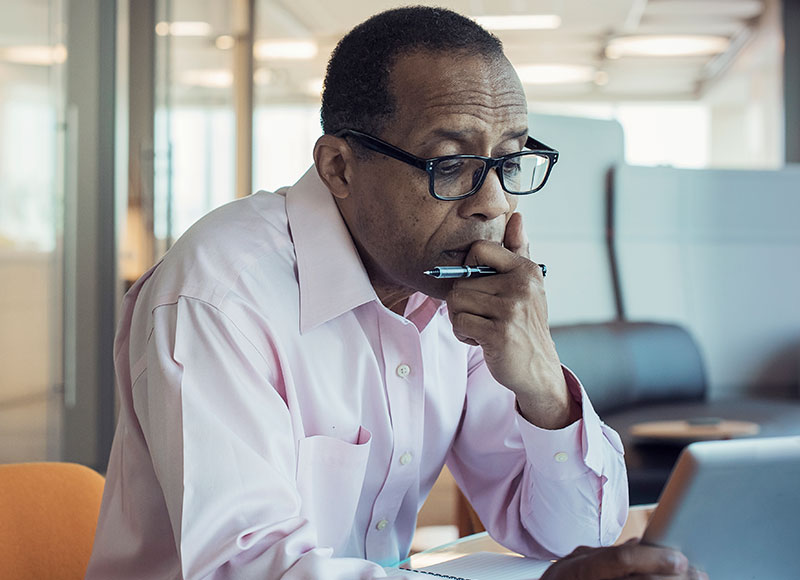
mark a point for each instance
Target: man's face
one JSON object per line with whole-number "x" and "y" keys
{"x": 446, "y": 104}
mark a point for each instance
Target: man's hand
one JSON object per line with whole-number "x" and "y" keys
{"x": 506, "y": 314}
{"x": 630, "y": 561}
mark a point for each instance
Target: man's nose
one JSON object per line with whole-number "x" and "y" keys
{"x": 490, "y": 201}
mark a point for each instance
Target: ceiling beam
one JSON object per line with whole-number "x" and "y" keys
{"x": 634, "y": 18}
{"x": 717, "y": 66}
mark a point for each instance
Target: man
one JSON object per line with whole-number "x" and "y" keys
{"x": 291, "y": 381}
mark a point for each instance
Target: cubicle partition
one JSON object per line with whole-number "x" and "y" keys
{"x": 566, "y": 220}
{"x": 717, "y": 251}
{"x": 637, "y": 256}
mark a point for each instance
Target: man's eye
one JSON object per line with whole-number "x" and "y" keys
{"x": 449, "y": 168}
{"x": 512, "y": 167}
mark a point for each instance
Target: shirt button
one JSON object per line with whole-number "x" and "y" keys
{"x": 381, "y": 525}
{"x": 560, "y": 457}
{"x": 406, "y": 458}
{"x": 403, "y": 370}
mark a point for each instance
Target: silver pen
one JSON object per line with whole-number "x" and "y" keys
{"x": 467, "y": 271}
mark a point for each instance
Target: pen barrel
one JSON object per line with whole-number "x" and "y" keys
{"x": 462, "y": 271}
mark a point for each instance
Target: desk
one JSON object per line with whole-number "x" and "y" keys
{"x": 481, "y": 542}
{"x": 650, "y": 462}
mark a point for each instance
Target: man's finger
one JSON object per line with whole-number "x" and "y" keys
{"x": 486, "y": 253}
{"x": 468, "y": 326}
{"x": 621, "y": 562}
{"x": 631, "y": 559}
{"x": 690, "y": 574}
{"x": 464, "y": 299}
{"x": 516, "y": 240}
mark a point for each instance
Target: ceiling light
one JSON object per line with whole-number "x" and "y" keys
{"x": 555, "y": 74}
{"x": 183, "y": 28}
{"x": 210, "y": 79}
{"x": 666, "y": 45}
{"x": 314, "y": 87}
{"x": 162, "y": 28}
{"x": 285, "y": 49}
{"x": 740, "y": 9}
{"x": 38, "y": 55}
{"x": 520, "y": 21}
{"x": 225, "y": 42}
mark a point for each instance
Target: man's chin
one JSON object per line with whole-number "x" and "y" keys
{"x": 436, "y": 288}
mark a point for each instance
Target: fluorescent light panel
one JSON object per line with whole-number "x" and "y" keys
{"x": 285, "y": 49}
{"x": 666, "y": 45}
{"x": 555, "y": 74}
{"x": 37, "y": 55}
{"x": 519, "y": 21}
{"x": 210, "y": 79}
{"x": 184, "y": 28}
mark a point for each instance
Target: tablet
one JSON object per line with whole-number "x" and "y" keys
{"x": 733, "y": 508}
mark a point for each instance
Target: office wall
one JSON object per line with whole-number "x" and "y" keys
{"x": 719, "y": 252}
{"x": 746, "y": 101}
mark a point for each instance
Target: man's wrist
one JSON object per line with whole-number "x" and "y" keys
{"x": 549, "y": 408}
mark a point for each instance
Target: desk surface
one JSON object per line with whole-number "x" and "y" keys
{"x": 634, "y": 528}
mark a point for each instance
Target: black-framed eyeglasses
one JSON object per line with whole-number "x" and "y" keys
{"x": 453, "y": 177}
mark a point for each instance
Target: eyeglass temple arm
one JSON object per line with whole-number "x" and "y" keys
{"x": 383, "y": 147}
{"x": 532, "y": 143}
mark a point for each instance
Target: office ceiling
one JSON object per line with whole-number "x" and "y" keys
{"x": 200, "y": 69}
{"x": 586, "y": 28}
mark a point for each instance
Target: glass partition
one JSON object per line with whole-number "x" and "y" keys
{"x": 32, "y": 57}
{"x": 194, "y": 115}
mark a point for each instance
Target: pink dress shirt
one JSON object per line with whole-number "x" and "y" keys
{"x": 277, "y": 421}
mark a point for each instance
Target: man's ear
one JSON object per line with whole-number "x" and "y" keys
{"x": 334, "y": 159}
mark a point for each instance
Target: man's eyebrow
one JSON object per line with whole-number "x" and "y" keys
{"x": 516, "y": 133}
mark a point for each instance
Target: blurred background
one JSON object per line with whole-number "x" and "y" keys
{"x": 124, "y": 121}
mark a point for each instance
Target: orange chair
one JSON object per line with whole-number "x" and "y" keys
{"x": 48, "y": 516}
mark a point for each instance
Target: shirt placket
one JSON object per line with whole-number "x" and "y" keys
{"x": 403, "y": 376}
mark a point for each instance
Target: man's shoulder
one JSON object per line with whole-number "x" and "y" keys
{"x": 227, "y": 248}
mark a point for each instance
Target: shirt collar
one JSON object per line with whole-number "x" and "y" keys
{"x": 330, "y": 274}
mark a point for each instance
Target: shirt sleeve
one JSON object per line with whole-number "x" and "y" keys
{"x": 539, "y": 492}
{"x": 220, "y": 439}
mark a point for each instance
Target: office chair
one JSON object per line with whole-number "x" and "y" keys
{"x": 48, "y": 516}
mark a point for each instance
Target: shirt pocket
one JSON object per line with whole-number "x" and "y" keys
{"x": 330, "y": 475}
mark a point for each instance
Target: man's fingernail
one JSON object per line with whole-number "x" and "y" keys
{"x": 679, "y": 562}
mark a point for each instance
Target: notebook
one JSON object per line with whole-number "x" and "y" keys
{"x": 733, "y": 508}
{"x": 485, "y": 566}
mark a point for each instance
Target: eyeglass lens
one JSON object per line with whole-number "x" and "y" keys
{"x": 520, "y": 174}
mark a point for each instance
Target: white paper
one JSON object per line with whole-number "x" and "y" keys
{"x": 490, "y": 566}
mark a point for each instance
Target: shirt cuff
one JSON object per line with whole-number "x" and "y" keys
{"x": 571, "y": 451}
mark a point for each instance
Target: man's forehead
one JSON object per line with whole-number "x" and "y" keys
{"x": 468, "y": 133}
{"x": 471, "y": 90}
{"x": 459, "y": 70}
